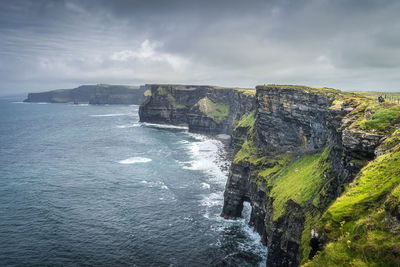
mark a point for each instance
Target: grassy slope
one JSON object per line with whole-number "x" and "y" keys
{"x": 216, "y": 111}
{"x": 300, "y": 181}
{"x": 356, "y": 225}
{"x": 393, "y": 97}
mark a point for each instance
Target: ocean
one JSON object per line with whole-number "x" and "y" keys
{"x": 90, "y": 185}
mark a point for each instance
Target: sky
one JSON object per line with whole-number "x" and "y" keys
{"x": 343, "y": 44}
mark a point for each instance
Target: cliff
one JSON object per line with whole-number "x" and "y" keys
{"x": 318, "y": 166}
{"x": 92, "y": 94}
{"x": 206, "y": 109}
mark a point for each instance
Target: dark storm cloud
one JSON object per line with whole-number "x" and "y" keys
{"x": 344, "y": 44}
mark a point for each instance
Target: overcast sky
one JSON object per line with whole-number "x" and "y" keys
{"x": 344, "y": 44}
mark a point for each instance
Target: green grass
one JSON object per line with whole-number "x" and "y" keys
{"x": 246, "y": 121}
{"x": 147, "y": 93}
{"x": 382, "y": 119}
{"x": 300, "y": 181}
{"x": 278, "y": 163}
{"x": 305, "y": 248}
{"x": 249, "y": 153}
{"x": 171, "y": 98}
{"x": 309, "y": 89}
{"x": 356, "y": 224}
{"x": 375, "y": 181}
{"x": 393, "y": 140}
{"x": 218, "y": 112}
{"x": 393, "y": 97}
{"x": 251, "y": 92}
{"x": 368, "y": 243}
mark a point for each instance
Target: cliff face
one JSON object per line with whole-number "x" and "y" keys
{"x": 289, "y": 123}
{"x": 303, "y": 147}
{"x": 92, "y": 94}
{"x": 299, "y": 152}
{"x": 205, "y": 109}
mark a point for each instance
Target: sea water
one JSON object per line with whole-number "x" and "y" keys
{"x": 90, "y": 185}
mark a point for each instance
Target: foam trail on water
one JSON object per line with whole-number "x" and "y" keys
{"x": 128, "y": 126}
{"x": 111, "y": 115}
{"x": 164, "y": 126}
{"x": 134, "y": 160}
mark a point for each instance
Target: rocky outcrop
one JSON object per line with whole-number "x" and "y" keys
{"x": 92, "y": 94}
{"x": 298, "y": 121}
{"x": 205, "y": 109}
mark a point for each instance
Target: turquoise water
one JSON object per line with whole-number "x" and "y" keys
{"x": 90, "y": 185}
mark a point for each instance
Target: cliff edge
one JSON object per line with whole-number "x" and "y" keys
{"x": 318, "y": 166}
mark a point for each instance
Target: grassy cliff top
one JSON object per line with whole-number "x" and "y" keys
{"x": 248, "y": 91}
{"x": 115, "y": 85}
{"x": 374, "y": 94}
{"x": 304, "y": 88}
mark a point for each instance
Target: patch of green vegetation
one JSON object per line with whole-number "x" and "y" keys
{"x": 247, "y": 121}
{"x": 381, "y": 119}
{"x": 216, "y": 111}
{"x": 309, "y": 89}
{"x": 248, "y": 91}
{"x": 368, "y": 242}
{"x": 393, "y": 140}
{"x": 147, "y": 93}
{"x": 249, "y": 153}
{"x": 393, "y": 97}
{"x": 337, "y": 104}
{"x": 356, "y": 224}
{"x": 162, "y": 91}
{"x": 279, "y": 162}
{"x": 171, "y": 98}
{"x": 300, "y": 181}
{"x": 393, "y": 200}
{"x": 305, "y": 248}
{"x": 374, "y": 182}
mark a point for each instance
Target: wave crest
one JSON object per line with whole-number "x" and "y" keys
{"x": 134, "y": 160}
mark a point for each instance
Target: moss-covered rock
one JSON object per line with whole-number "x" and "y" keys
{"x": 216, "y": 111}
{"x": 356, "y": 223}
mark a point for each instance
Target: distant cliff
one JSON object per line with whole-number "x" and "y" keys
{"x": 92, "y": 94}
{"x": 206, "y": 109}
{"x": 320, "y": 167}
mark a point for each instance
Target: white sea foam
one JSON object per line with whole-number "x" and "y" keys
{"x": 37, "y": 103}
{"x": 128, "y": 126}
{"x": 164, "y": 126}
{"x": 111, "y": 115}
{"x": 134, "y": 160}
{"x": 212, "y": 200}
{"x": 205, "y": 157}
{"x": 80, "y": 105}
{"x": 205, "y": 185}
{"x": 158, "y": 184}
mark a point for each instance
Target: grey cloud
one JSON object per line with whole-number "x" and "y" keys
{"x": 348, "y": 44}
